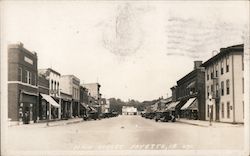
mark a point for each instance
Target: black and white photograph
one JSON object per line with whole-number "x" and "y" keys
{"x": 125, "y": 78}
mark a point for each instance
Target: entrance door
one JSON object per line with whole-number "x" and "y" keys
{"x": 26, "y": 115}
{"x": 217, "y": 110}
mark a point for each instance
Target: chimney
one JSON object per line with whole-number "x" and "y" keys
{"x": 197, "y": 64}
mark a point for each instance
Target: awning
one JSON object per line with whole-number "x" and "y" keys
{"x": 92, "y": 109}
{"x": 85, "y": 105}
{"x": 191, "y": 85}
{"x": 188, "y": 103}
{"x": 50, "y": 100}
{"x": 194, "y": 105}
{"x": 172, "y": 106}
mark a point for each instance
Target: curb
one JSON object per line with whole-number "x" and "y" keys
{"x": 191, "y": 123}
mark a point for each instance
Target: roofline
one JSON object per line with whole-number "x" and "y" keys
{"x": 224, "y": 52}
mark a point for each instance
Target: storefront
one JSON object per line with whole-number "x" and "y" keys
{"x": 190, "y": 109}
{"x": 52, "y": 105}
{"x": 28, "y": 107}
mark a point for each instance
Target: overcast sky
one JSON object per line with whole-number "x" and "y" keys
{"x": 133, "y": 49}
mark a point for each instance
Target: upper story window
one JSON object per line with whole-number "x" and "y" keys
{"x": 207, "y": 91}
{"x": 28, "y": 76}
{"x": 228, "y": 90}
{"x": 212, "y": 89}
{"x": 222, "y": 88}
{"x": 221, "y": 67}
{"x": 55, "y": 85}
{"x": 34, "y": 81}
{"x": 227, "y": 63}
{"x": 20, "y": 74}
{"x": 51, "y": 84}
{"x": 216, "y": 70}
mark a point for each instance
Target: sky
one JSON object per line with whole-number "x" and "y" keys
{"x": 134, "y": 49}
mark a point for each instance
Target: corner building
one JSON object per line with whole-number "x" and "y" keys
{"x": 225, "y": 82}
{"x": 22, "y": 84}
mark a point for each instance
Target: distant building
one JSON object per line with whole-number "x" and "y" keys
{"x": 70, "y": 85}
{"x": 22, "y": 84}
{"x": 94, "y": 95}
{"x": 225, "y": 82}
{"x": 128, "y": 110}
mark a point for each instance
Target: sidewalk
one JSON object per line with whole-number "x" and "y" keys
{"x": 50, "y": 124}
{"x": 206, "y": 123}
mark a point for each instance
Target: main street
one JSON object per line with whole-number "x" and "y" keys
{"x": 124, "y": 132}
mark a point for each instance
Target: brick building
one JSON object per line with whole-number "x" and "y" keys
{"x": 188, "y": 95}
{"x": 225, "y": 82}
{"x": 22, "y": 84}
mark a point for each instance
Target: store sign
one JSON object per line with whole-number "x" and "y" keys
{"x": 28, "y": 60}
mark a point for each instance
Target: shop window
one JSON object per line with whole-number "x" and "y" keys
{"x": 20, "y": 74}
{"x": 222, "y": 110}
{"x": 228, "y": 89}
{"x": 222, "y": 88}
{"x": 228, "y": 110}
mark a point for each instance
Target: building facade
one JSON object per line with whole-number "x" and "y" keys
{"x": 22, "y": 84}
{"x": 54, "y": 91}
{"x": 189, "y": 94}
{"x": 43, "y": 88}
{"x": 70, "y": 85}
{"x": 84, "y": 100}
{"x": 225, "y": 84}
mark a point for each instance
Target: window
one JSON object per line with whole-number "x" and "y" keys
{"x": 28, "y": 77}
{"x": 217, "y": 90}
{"x": 212, "y": 75}
{"x": 228, "y": 110}
{"x": 34, "y": 81}
{"x": 221, "y": 67}
{"x": 243, "y": 85}
{"x": 207, "y": 76}
{"x": 58, "y": 88}
{"x": 227, "y": 63}
{"x": 55, "y": 86}
{"x": 212, "y": 89}
{"x": 19, "y": 74}
{"x": 207, "y": 91}
{"x": 228, "y": 90}
{"x": 222, "y": 88}
{"x": 222, "y": 110}
{"x": 51, "y": 85}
